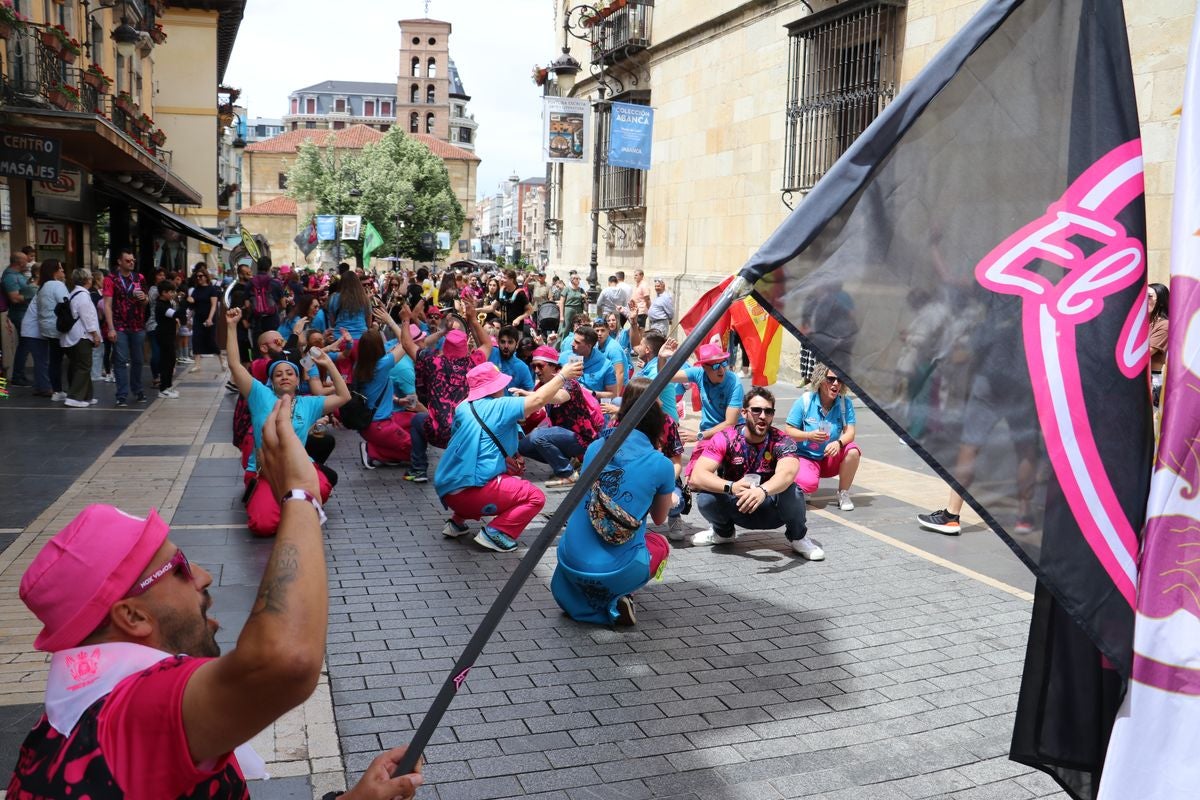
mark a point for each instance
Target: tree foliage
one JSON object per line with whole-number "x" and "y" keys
{"x": 399, "y": 178}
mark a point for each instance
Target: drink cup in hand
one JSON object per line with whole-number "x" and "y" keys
{"x": 825, "y": 427}
{"x": 753, "y": 479}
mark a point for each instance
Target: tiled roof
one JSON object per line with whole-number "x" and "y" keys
{"x": 275, "y": 207}
{"x": 353, "y": 138}
{"x": 443, "y": 150}
{"x": 350, "y": 87}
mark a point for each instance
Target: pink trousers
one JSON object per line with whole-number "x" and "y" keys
{"x": 659, "y": 549}
{"x": 262, "y": 510}
{"x": 388, "y": 440}
{"x": 513, "y": 502}
{"x": 811, "y": 472}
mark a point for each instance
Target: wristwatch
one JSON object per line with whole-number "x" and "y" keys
{"x": 728, "y": 487}
{"x": 306, "y": 496}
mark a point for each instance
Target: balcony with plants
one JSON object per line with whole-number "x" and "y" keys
{"x": 619, "y": 29}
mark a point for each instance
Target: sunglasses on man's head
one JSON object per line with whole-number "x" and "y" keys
{"x": 761, "y": 410}
{"x": 178, "y": 562}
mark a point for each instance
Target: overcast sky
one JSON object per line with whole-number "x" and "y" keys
{"x": 284, "y": 45}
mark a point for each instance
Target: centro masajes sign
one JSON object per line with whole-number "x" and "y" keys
{"x": 32, "y": 157}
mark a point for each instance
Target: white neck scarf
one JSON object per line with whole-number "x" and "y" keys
{"x": 81, "y": 676}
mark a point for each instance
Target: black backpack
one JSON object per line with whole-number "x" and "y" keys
{"x": 64, "y": 319}
{"x": 358, "y": 414}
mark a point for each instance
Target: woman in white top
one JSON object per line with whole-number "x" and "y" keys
{"x": 51, "y": 289}
{"x": 78, "y": 342}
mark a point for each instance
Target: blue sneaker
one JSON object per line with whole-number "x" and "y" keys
{"x": 495, "y": 540}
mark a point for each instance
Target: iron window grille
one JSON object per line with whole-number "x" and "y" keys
{"x": 842, "y": 68}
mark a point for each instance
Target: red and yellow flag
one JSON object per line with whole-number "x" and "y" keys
{"x": 758, "y": 330}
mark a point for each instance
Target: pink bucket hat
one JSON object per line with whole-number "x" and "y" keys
{"x": 85, "y": 568}
{"x": 486, "y": 379}
{"x": 710, "y": 354}
{"x": 545, "y": 353}
{"x": 456, "y": 344}
{"x": 416, "y": 333}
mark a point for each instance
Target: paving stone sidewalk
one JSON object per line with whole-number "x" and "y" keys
{"x": 751, "y": 673}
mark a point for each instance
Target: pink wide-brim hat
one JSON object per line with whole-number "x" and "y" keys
{"x": 84, "y": 569}
{"x": 455, "y": 344}
{"x": 484, "y": 380}
{"x": 710, "y": 354}
{"x": 545, "y": 353}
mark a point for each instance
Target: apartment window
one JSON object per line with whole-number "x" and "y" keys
{"x": 464, "y": 135}
{"x": 429, "y": 118}
{"x": 339, "y": 104}
{"x": 430, "y": 94}
{"x": 339, "y": 125}
{"x": 369, "y": 108}
{"x": 295, "y": 105}
{"x": 620, "y": 187}
{"x": 385, "y": 110}
{"x": 841, "y": 73}
{"x": 432, "y": 71}
{"x": 414, "y": 122}
{"x": 458, "y": 110}
{"x": 385, "y": 128}
{"x": 310, "y": 125}
{"x": 416, "y": 66}
{"x": 283, "y": 180}
{"x": 414, "y": 94}
{"x": 310, "y": 106}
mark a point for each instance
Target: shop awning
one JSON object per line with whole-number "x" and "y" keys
{"x": 166, "y": 218}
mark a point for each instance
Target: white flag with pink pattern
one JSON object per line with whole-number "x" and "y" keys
{"x": 1152, "y": 754}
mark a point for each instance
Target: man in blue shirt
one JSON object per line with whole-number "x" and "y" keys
{"x": 598, "y": 372}
{"x": 649, "y": 349}
{"x": 504, "y": 356}
{"x": 611, "y": 350}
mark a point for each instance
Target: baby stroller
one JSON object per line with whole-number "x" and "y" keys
{"x": 547, "y": 317}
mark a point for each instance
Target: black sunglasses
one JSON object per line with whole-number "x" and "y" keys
{"x": 756, "y": 411}
{"x": 832, "y": 379}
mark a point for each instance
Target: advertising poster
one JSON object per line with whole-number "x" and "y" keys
{"x": 326, "y": 227}
{"x": 631, "y": 129}
{"x": 351, "y": 226}
{"x": 564, "y": 130}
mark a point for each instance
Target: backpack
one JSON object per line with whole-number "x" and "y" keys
{"x": 64, "y": 318}
{"x": 264, "y": 306}
{"x": 358, "y": 414}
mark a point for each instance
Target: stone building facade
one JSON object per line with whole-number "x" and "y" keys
{"x": 717, "y": 75}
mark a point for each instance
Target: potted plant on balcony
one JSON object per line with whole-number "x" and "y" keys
{"x": 157, "y": 34}
{"x": 604, "y": 9}
{"x": 59, "y": 40}
{"x": 10, "y": 20}
{"x": 125, "y": 102}
{"x": 540, "y": 74}
{"x": 158, "y": 137}
{"x": 144, "y": 123}
{"x": 94, "y": 77}
{"x": 64, "y": 95}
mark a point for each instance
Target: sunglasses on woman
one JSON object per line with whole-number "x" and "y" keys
{"x": 832, "y": 379}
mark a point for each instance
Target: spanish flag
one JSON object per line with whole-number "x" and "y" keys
{"x": 757, "y": 330}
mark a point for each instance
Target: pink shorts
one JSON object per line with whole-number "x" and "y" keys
{"x": 811, "y": 472}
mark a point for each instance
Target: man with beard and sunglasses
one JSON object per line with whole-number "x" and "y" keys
{"x": 140, "y": 703}
{"x": 746, "y": 478}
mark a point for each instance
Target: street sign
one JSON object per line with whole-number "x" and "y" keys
{"x": 26, "y": 156}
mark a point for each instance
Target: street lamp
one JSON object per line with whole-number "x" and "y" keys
{"x": 87, "y": 25}
{"x": 126, "y": 37}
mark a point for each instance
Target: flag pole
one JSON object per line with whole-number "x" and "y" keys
{"x": 739, "y": 288}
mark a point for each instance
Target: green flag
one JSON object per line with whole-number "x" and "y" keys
{"x": 372, "y": 241}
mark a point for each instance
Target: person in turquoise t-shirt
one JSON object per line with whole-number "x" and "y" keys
{"x": 504, "y": 356}
{"x": 598, "y": 372}
{"x": 649, "y": 349}
{"x": 283, "y": 378}
{"x": 610, "y": 349}
{"x": 822, "y": 423}
{"x": 473, "y": 479}
{"x": 387, "y": 439}
{"x": 594, "y": 579}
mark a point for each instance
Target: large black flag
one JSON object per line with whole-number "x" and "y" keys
{"x": 975, "y": 264}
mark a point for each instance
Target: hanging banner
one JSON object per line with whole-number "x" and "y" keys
{"x": 351, "y": 225}
{"x": 564, "y": 130}
{"x": 326, "y": 227}
{"x": 631, "y": 128}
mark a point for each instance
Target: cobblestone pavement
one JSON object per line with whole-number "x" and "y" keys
{"x": 882, "y": 672}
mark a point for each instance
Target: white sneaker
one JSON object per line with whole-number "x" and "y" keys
{"x": 58, "y": 397}
{"x": 675, "y": 529}
{"x": 170, "y": 394}
{"x": 709, "y": 537}
{"x": 844, "y": 501}
{"x": 93, "y": 401}
{"x": 808, "y": 548}
{"x": 72, "y": 403}
{"x": 452, "y": 530}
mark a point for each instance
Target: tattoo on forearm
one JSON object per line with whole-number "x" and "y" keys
{"x": 281, "y": 571}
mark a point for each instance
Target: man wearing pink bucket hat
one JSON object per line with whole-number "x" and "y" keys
{"x": 139, "y": 702}
{"x": 473, "y": 478}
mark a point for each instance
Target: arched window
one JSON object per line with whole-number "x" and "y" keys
{"x": 430, "y": 94}
{"x": 414, "y": 93}
{"x": 432, "y": 71}
{"x": 414, "y": 122}
{"x": 429, "y": 122}
{"x": 416, "y": 67}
